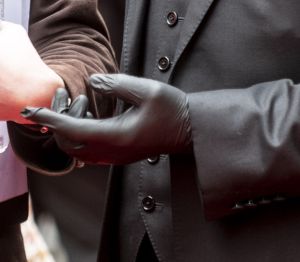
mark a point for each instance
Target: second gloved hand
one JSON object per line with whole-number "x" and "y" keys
{"x": 156, "y": 122}
{"x": 78, "y": 109}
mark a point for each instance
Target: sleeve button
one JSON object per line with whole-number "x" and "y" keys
{"x": 238, "y": 206}
{"x": 250, "y": 204}
{"x": 279, "y": 198}
{"x": 264, "y": 201}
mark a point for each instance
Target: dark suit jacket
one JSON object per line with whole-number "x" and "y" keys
{"x": 236, "y": 198}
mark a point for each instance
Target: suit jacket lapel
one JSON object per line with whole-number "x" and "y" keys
{"x": 136, "y": 13}
{"x": 196, "y": 12}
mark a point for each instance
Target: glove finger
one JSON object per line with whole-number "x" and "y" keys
{"x": 79, "y": 107}
{"x": 59, "y": 123}
{"x": 131, "y": 89}
{"x": 112, "y": 131}
{"x": 60, "y": 100}
{"x": 75, "y": 129}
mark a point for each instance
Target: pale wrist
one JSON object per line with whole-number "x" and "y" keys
{"x": 39, "y": 94}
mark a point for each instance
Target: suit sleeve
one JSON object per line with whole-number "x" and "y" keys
{"x": 246, "y": 146}
{"x": 72, "y": 39}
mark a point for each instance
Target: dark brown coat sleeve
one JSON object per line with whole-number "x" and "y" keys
{"x": 72, "y": 39}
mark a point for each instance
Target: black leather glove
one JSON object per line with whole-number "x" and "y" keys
{"x": 157, "y": 122}
{"x": 78, "y": 109}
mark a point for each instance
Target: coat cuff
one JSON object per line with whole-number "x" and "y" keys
{"x": 38, "y": 151}
{"x": 245, "y": 146}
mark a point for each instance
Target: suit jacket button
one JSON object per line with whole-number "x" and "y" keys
{"x": 164, "y": 63}
{"x": 153, "y": 160}
{"x": 172, "y": 18}
{"x": 148, "y": 203}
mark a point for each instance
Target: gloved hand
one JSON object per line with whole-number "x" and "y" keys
{"x": 157, "y": 122}
{"x": 78, "y": 109}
